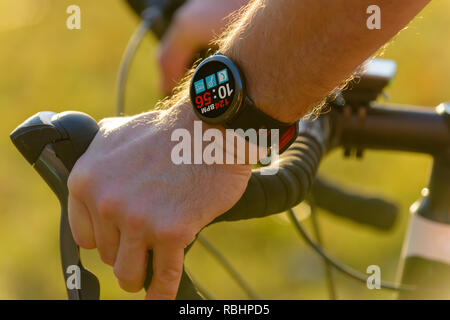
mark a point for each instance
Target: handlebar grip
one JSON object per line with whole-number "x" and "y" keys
{"x": 364, "y": 209}
{"x": 270, "y": 194}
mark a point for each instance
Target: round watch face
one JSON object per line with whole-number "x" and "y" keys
{"x": 216, "y": 89}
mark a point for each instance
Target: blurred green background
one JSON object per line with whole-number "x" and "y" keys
{"x": 45, "y": 66}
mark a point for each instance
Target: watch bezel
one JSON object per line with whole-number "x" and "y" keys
{"x": 239, "y": 95}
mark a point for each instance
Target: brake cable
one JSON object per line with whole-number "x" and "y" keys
{"x": 336, "y": 264}
{"x": 328, "y": 271}
{"x": 148, "y": 16}
{"x": 227, "y": 266}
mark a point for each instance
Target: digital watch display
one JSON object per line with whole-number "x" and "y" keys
{"x": 218, "y": 96}
{"x": 216, "y": 90}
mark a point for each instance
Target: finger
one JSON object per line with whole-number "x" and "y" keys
{"x": 107, "y": 238}
{"x": 131, "y": 263}
{"x": 81, "y": 224}
{"x": 167, "y": 270}
{"x": 175, "y": 57}
{"x": 107, "y": 235}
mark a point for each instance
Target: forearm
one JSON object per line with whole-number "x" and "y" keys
{"x": 295, "y": 52}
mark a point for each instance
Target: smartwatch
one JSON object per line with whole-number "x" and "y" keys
{"x": 218, "y": 96}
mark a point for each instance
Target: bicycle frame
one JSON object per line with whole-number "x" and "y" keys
{"x": 426, "y": 255}
{"x": 425, "y": 261}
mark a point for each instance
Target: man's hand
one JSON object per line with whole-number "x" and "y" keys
{"x": 127, "y": 197}
{"x": 194, "y": 26}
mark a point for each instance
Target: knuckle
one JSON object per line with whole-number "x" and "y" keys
{"x": 168, "y": 233}
{"x": 135, "y": 222}
{"x": 177, "y": 234}
{"x": 74, "y": 183}
{"x": 169, "y": 275}
{"x": 107, "y": 205}
{"x": 79, "y": 180}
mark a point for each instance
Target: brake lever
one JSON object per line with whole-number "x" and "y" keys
{"x": 40, "y": 139}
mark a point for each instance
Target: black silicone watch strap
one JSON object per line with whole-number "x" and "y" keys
{"x": 249, "y": 116}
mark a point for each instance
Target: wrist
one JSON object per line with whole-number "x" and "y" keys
{"x": 182, "y": 115}
{"x": 208, "y": 143}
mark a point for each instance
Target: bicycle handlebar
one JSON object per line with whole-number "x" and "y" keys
{"x": 364, "y": 209}
{"x": 393, "y": 127}
{"x": 269, "y": 194}
{"x": 52, "y": 143}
